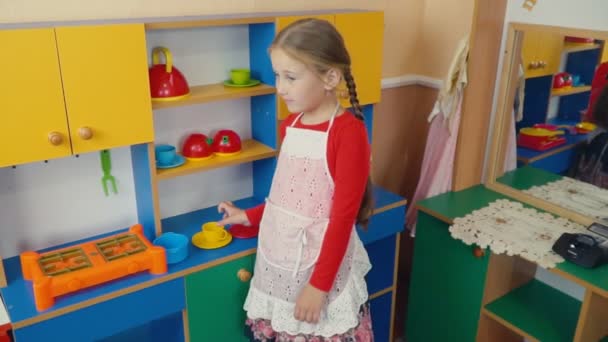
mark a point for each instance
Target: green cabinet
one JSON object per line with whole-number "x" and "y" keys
{"x": 447, "y": 285}
{"x": 215, "y": 298}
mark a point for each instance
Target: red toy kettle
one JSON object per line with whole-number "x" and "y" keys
{"x": 167, "y": 83}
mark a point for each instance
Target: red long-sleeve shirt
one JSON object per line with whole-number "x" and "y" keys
{"x": 348, "y": 159}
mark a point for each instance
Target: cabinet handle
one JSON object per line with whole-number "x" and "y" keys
{"x": 55, "y": 138}
{"x": 243, "y": 275}
{"x": 542, "y": 64}
{"x": 478, "y": 252}
{"x": 533, "y": 65}
{"x": 85, "y": 133}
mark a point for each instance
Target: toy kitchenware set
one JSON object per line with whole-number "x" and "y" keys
{"x": 197, "y": 147}
{"x": 106, "y": 167}
{"x": 541, "y": 137}
{"x": 167, "y": 83}
{"x": 214, "y": 236}
{"x": 71, "y": 269}
{"x": 211, "y": 236}
{"x": 240, "y": 78}
{"x": 167, "y": 157}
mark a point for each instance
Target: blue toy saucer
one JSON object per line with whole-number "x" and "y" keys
{"x": 178, "y": 161}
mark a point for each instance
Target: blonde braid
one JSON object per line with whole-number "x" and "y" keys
{"x": 352, "y": 91}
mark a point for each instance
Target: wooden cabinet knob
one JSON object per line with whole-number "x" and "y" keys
{"x": 85, "y": 133}
{"x": 243, "y": 275}
{"x": 478, "y": 252}
{"x": 55, "y": 138}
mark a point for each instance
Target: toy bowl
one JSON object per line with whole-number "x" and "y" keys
{"x": 197, "y": 147}
{"x": 176, "y": 246}
{"x": 226, "y": 142}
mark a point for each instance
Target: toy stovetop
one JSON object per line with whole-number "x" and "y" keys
{"x": 62, "y": 271}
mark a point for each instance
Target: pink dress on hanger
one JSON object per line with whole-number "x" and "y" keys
{"x": 438, "y": 162}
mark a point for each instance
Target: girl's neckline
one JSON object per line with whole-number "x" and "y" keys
{"x": 298, "y": 120}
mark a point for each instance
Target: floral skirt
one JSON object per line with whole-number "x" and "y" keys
{"x": 260, "y": 330}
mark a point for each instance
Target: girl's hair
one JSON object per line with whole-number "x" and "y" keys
{"x": 319, "y": 45}
{"x": 600, "y": 109}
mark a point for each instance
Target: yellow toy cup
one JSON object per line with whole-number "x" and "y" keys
{"x": 211, "y": 236}
{"x": 214, "y": 232}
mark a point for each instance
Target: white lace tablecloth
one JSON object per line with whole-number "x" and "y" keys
{"x": 584, "y": 198}
{"x": 509, "y": 227}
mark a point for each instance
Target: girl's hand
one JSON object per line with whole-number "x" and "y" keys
{"x": 232, "y": 214}
{"x": 309, "y": 304}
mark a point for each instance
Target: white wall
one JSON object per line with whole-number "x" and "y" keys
{"x": 585, "y": 14}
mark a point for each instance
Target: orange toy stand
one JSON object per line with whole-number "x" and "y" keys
{"x": 91, "y": 263}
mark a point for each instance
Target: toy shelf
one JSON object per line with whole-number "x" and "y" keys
{"x": 570, "y": 91}
{"x": 18, "y": 296}
{"x": 576, "y": 47}
{"x": 252, "y": 150}
{"x": 215, "y": 92}
{"x": 537, "y": 311}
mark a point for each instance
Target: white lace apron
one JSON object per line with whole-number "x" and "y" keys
{"x": 292, "y": 229}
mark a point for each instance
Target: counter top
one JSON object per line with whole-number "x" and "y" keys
{"x": 446, "y": 207}
{"x": 526, "y": 177}
{"x": 19, "y": 297}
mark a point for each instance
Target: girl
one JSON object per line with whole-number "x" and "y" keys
{"x": 592, "y": 164}
{"x": 308, "y": 282}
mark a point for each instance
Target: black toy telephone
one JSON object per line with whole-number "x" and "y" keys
{"x": 581, "y": 249}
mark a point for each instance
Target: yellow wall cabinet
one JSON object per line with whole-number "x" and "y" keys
{"x": 541, "y": 53}
{"x": 71, "y": 90}
{"x": 362, "y": 33}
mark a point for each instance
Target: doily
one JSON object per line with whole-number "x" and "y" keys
{"x": 509, "y": 227}
{"x": 569, "y": 193}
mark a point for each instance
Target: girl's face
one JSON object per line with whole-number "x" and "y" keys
{"x": 300, "y": 87}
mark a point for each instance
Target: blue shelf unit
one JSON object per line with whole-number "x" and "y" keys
{"x": 538, "y": 91}
{"x": 264, "y": 128}
{"x": 583, "y": 64}
{"x": 153, "y": 312}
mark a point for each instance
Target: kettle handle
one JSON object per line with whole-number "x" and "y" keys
{"x": 168, "y": 58}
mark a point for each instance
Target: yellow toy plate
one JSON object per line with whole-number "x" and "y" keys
{"x": 200, "y": 241}
{"x": 588, "y": 126}
{"x": 220, "y": 154}
{"x": 539, "y": 132}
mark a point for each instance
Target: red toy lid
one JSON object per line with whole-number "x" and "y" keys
{"x": 240, "y": 231}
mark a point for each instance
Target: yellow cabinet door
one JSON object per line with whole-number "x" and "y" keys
{"x": 541, "y": 53}
{"x": 33, "y": 124}
{"x": 364, "y": 35}
{"x": 105, "y": 80}
{"x": 281, "y": 23}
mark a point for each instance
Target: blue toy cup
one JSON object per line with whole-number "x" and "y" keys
{"x": 165, "y": 154}
{"x": 176, "y": 246}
